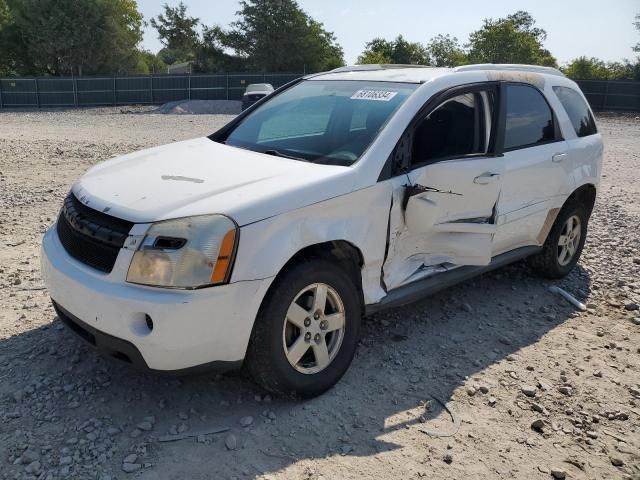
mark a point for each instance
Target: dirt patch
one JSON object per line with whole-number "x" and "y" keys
{"x": 533, "y": 386}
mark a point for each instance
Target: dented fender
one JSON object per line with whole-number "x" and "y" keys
{"x": 360, "y": 218}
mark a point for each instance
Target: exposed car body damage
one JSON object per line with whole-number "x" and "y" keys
{"x": 331, "y": 220}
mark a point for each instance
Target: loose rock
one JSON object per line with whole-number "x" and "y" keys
{"x": 231, "y": 442}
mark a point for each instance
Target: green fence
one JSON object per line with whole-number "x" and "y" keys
{"x": 612, "y": 95}
{"x": 149, "y": 89}
{"x": 603, "y": 95}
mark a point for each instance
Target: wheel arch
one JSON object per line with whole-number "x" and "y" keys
{"x": 584, "y": 194}
{"x": 341, "y": 252}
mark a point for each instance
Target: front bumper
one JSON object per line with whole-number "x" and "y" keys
{"x": 190, "y": 328}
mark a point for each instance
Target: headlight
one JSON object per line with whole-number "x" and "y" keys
{"x": 188, "y": 252}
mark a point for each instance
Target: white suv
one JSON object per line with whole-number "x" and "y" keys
{"x": 342, "y": 194}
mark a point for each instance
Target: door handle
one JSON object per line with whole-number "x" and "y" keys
{"x": 558, "y": 157}
{"x": 487, "y": 178}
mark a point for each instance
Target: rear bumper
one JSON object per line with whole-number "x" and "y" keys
{"x": 195, "y": 328}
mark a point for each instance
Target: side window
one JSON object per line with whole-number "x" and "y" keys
{"x": 458, "y": 127}
{"x": 529, "y": 119}
{"x": 577, "y": 110}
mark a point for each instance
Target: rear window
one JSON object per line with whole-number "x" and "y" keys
{"x": 529, "y": 119}
{"x": 577, "y": 110}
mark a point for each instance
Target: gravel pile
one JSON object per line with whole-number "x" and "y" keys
{"x": 201, "y": 107}
{"x": 533, "y": 387}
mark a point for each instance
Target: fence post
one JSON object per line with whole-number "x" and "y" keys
{"x": 115, "y": 98}
{"x": 606, "y": 95}
{"x": 151, "y": 87}
{"x": 189, "y": 86}
{"x": 74, "y": 86}
{"x": 227, "y": 86}
{"x": 1, "y": 104}
{"x": 37, "y": 92}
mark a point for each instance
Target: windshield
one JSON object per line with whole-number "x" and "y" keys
{"x": 322, "y": 121}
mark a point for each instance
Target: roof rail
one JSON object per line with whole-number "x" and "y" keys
{"x": 512, "y": 67}
{"x": 373, "y": 67}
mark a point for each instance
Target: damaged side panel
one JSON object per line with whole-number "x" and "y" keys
{"x": 449, "y": 222}
{"x": 360, "y": 218}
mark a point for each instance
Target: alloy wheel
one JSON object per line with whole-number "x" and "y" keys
{"x": 314, "y": 328}
{"x": 569, "y": 240}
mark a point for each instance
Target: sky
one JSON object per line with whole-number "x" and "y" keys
{"x": 594, "y": 28}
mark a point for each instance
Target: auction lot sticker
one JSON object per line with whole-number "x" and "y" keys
{"x": 375, "y": 95}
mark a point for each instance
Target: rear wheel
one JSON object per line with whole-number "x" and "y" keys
{"x": 565, "y": 242}
{"x": 306, "y": 332}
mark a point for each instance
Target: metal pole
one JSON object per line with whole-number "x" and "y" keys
{"x": 1, "y": 104}
{"x": 151, "y": 78}
{"x": 606, "y": 94}
{"x": 189, "y": 85}
{"x": 227, "y": 86}
{"x": 115, "y": 98}
{"x": 37, "y": 92}
{"x": 75, "y": 90}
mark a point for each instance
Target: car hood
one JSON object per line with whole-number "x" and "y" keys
{"x": 200, "y": 176}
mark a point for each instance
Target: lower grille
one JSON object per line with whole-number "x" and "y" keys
{"x": 89, "y": 236}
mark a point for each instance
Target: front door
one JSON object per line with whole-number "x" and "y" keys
{"x": 443, "y": 213}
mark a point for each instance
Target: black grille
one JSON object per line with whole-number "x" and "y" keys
{"x": 89, "y": 236}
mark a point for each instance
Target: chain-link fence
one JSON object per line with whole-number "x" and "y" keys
{"x": 149, "y": 89}
{"x": 612, "y": 95}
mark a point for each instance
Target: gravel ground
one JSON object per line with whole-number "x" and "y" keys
{"x": 533, "y": 388}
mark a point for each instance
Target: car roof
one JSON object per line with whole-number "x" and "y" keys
{"x": 422, "y": 74}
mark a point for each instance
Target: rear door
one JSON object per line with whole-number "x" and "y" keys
{"x": 444, "y": 209}
{"x": 536, "y": 173}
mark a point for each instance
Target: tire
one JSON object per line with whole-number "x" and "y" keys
{"x": 280, "y": 324}
{"x": 551, "y": 262}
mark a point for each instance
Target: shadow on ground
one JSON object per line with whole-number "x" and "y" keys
{"x": 407, "y": 358}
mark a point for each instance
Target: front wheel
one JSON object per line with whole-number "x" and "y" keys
{"x": 306, "y": 333}
{"x": 565, "y": 242}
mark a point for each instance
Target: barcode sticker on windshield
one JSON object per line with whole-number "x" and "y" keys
{"x": 375, "y": 95}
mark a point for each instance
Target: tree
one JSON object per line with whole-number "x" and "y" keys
{"x": 7, "y": 41}
{"x": 211, "y": 53}
{"x": 79, "y": 37}
{"x": 445, "y": 51}
{"x": 377, "y": 51}
{"x": 398, "y": 51}
{"x": 637, "y": 25}
{"x": 584, "y": 68}
{"x": 149, "y": 62}
{"x": 177, "y": 32}
{"x": 277, "y": 35}
{"x": 514, "y": 39}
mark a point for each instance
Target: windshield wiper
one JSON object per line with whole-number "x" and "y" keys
{"x": 278, "y": 153}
